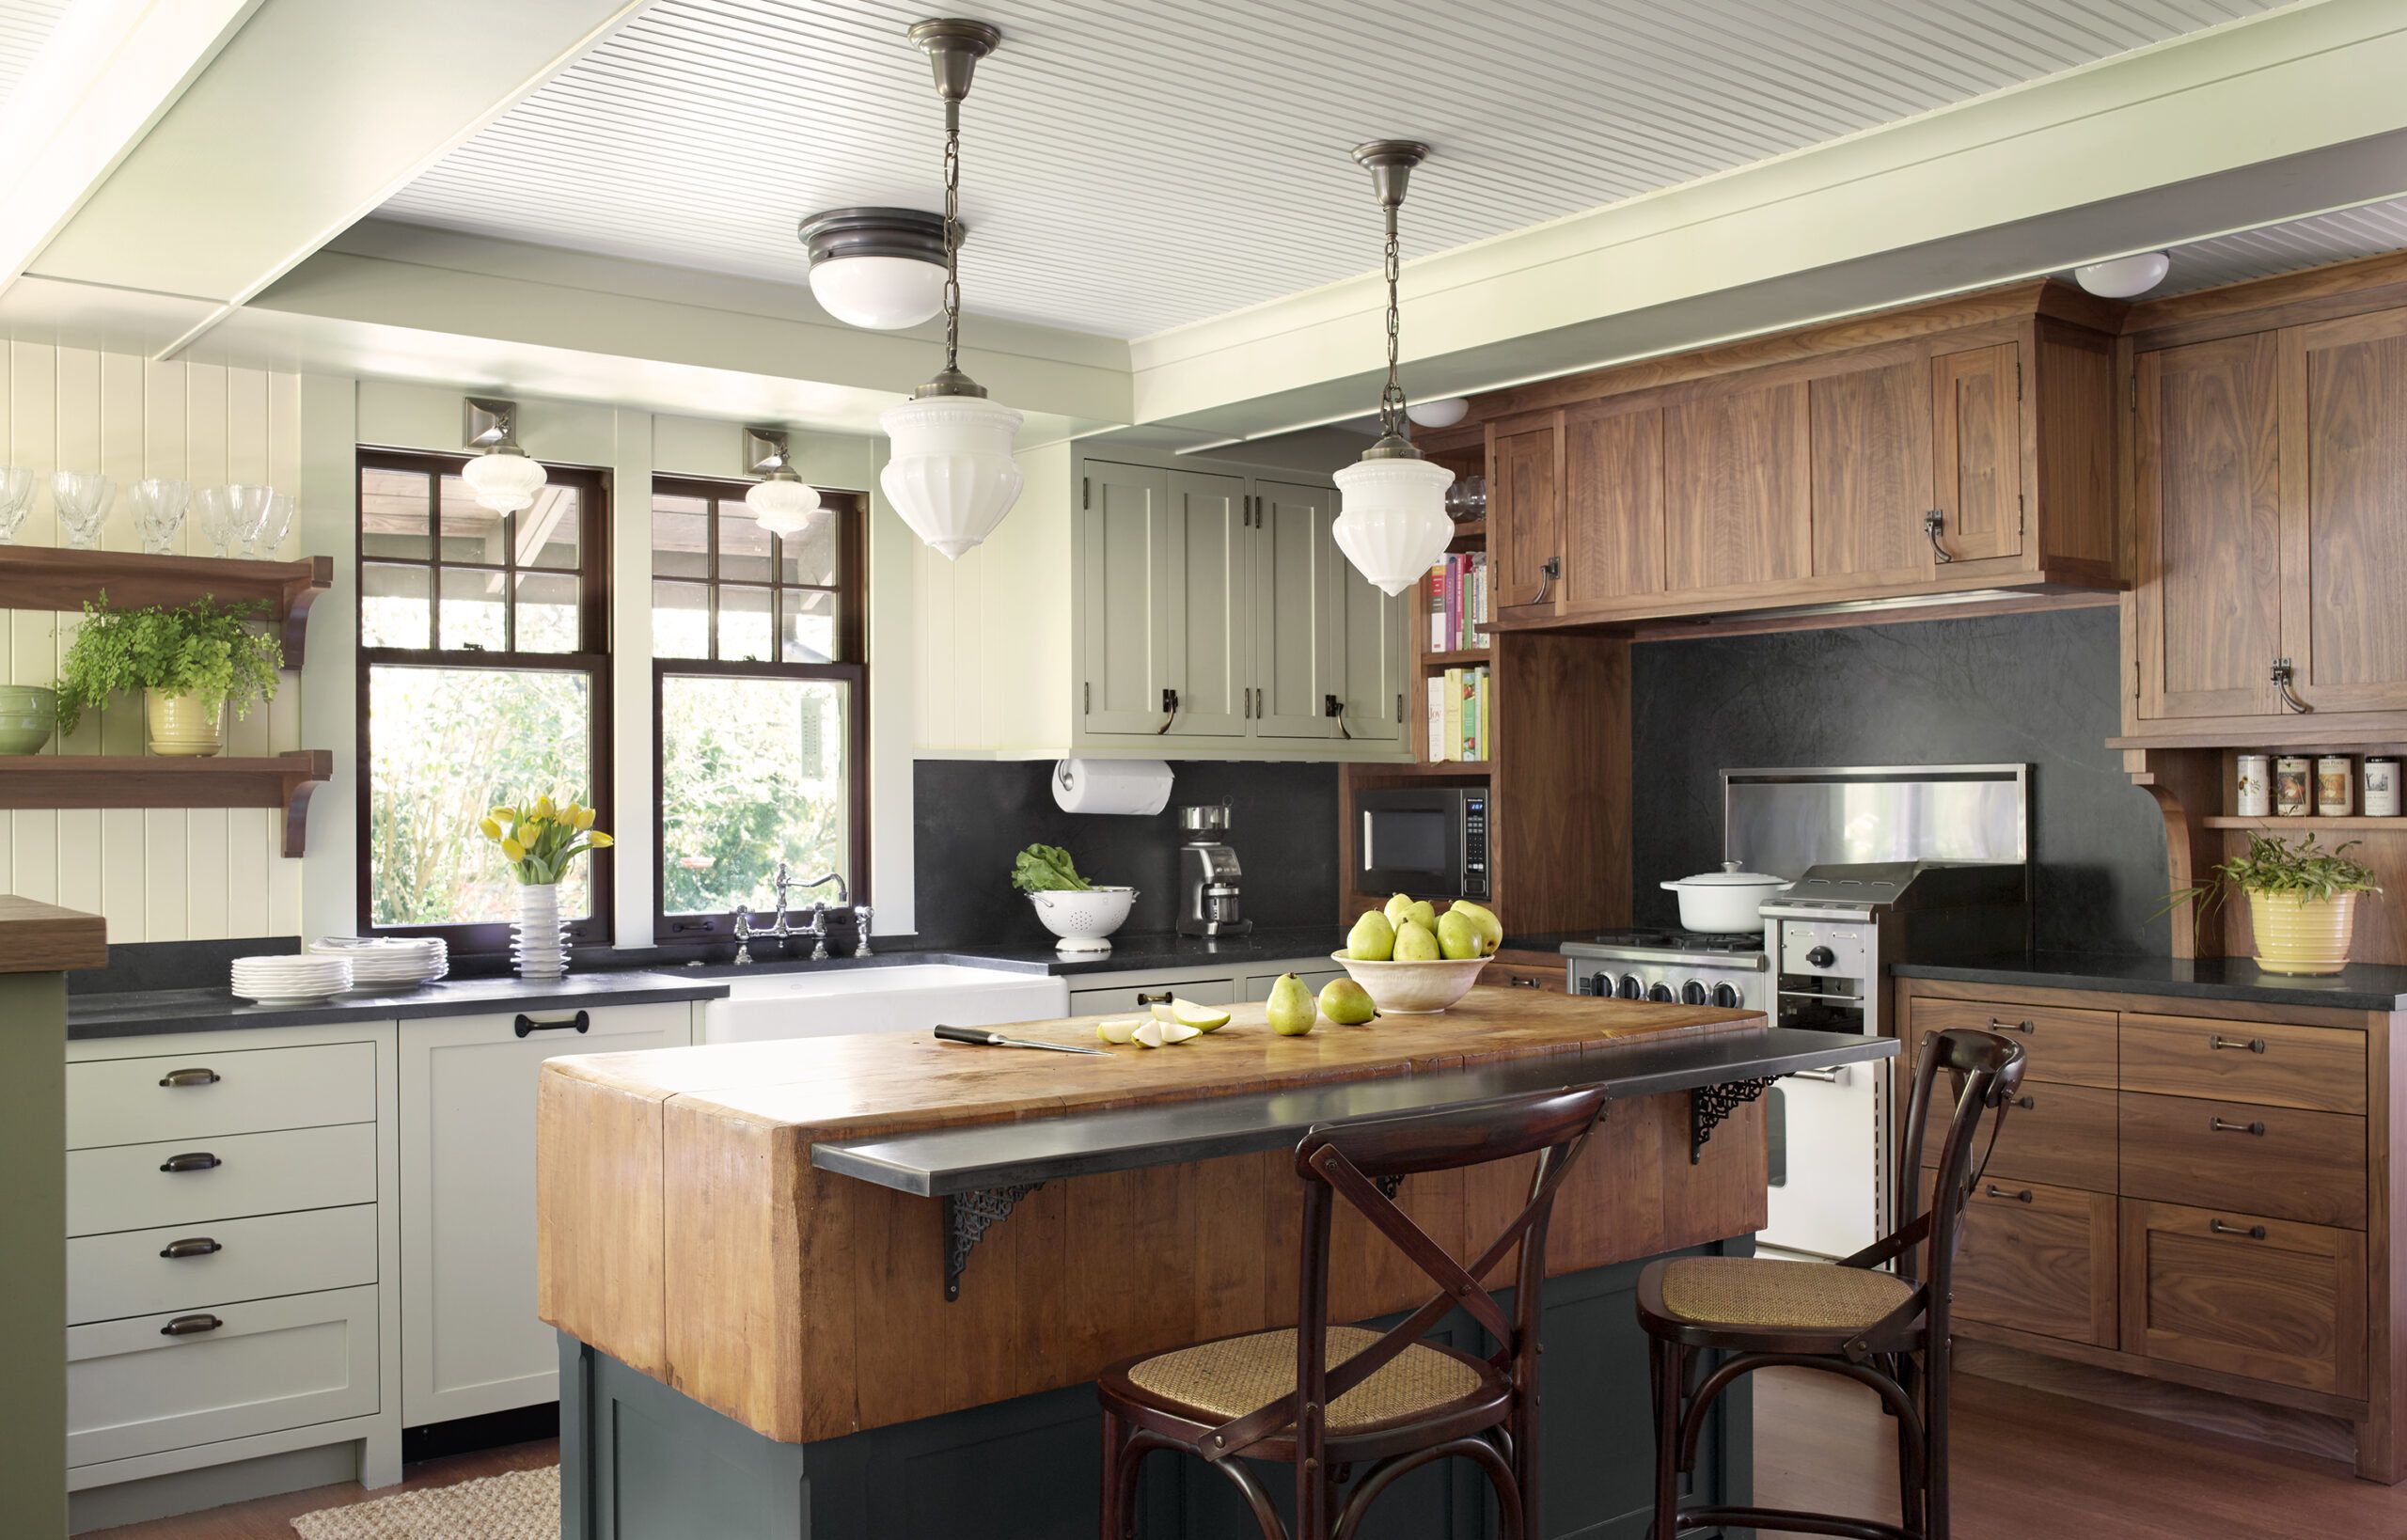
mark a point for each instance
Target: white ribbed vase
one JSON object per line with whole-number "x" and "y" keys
{"x": 951, "y": 476}
{"x": 1392, "y": 524}
{"x": 536, "y": 944}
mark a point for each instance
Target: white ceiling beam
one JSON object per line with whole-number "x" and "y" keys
{"x": 311, "y": 114}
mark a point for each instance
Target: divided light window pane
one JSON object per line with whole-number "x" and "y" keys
{"x": 394, "y": 607}
{"x": 752, "y": 772}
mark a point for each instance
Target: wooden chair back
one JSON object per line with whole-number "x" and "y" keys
{"x": 1984, "y": 1070}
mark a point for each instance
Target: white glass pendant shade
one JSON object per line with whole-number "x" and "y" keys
{"x": 504, "y": 479}
{"x": 1392, "y": 519}
{"x": 881, "y": 293}
{"x": 951, "y": 474}
{"x": 783, "y": 505}
{"x": 1442, "y": 412}
{"x": 2124, "y": 278}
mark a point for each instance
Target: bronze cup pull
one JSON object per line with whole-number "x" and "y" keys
{"x": 2253, "y": 1044}
{"x": 2254, "y": 1232}
{"x": 190, "y": 1078}
{"x": 1162, "y": 999}
{"x": 2218, "y": 1125}
{"x": 190, "y": 1325}
{"x": 196, "y": 1246}
{"x": 1997, "y": 1026}
{"x": 1993, "y": 1190}
{"x": 199, "y": 1160}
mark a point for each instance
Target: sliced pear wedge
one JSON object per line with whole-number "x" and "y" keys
{"x": 1204, "y": 1018}
{"x": 1161, "y": 1034}
{"x": 1119, "y": 1031}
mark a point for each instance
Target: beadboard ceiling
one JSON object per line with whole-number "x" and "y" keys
{"x": 2287, "y": 247}
{"x": 26, "y": 25}
{"x": 1129, "y": 169}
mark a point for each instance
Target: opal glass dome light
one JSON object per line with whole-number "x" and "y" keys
{"x": 781, "y": 504}
{"x": 1443, "y": 412}
{"x": 2124, "y": 278}
{"x": 878, "y": 268}
{"x": 503, "y": 477}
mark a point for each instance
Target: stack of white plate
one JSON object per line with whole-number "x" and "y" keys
{"x": 388, "y": 962}
{"x": 290, "y": 980}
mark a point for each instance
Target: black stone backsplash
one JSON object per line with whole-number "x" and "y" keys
{"x": 2037, "y": 689}
{"x": 971, "y": 817}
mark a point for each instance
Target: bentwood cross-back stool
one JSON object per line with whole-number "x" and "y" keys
{"x": 1325, "y": 1399}
{"x": 1886, "y": 1330}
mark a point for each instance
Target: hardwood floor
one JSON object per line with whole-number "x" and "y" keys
{"x": 2027, "y": 1465}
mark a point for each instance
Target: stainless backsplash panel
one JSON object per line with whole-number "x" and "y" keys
{"x": 1783, "y": 821}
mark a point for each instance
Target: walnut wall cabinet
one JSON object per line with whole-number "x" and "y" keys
{"x": 2194, "y": 1201}
{"x": 1944, "y": 448}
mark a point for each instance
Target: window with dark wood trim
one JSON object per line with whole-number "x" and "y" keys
{"x": 484, "y": 675}
{"x": 760, "y": 705}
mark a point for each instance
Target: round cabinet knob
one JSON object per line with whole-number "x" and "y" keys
{"x": 1727, "y": 996}
{"x": 1821, "y": 956}
{"x": 1661, "y": 993}
{"x": 1692, "y": 993}
{"x": 1629, "y": 988}
{"x": 1598, "y": 983}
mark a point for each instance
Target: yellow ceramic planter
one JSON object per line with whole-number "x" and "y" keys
{"x": 184, "y": 726}
{"x": 2301, "y": 936}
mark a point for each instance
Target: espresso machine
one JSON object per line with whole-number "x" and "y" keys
{"x": 1208, "y": 875}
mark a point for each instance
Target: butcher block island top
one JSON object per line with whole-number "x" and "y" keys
{"x": 685, "y": 1230}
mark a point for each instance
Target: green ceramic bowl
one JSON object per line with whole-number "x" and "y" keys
{"x": 28, "y": 716}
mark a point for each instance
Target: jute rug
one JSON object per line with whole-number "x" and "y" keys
{"x": 521, "y": 1505}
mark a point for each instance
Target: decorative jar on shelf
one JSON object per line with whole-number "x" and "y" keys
{"x": 184, "y": 726}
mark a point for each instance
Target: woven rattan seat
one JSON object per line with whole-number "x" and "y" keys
{"x": 1234, "y": 1375}
{"x": 1763, "y": 1292}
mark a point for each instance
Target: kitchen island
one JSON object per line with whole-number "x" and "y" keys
{"x": 860, "y": 1285}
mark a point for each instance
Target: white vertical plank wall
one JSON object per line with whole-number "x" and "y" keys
{"x": 157, "y": 874}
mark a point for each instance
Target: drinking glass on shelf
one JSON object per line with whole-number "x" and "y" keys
{"x": 83, "y": 498}
{"x": 249, "y": 505}
{"x": 212, "y": 509}
{"x": 159, "y": 511}
{"x": 277, "y": 524}
{"x": 16, "y": 499}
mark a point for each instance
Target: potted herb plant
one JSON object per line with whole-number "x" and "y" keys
{"x": 2302, "y": 901}
{"x": 190, "y": 662}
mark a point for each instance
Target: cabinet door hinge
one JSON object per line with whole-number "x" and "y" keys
{"x": 2022, "y": 516}
{"x": 1086, "y": 492}
{"x": 1089, "y": 697}
{"x": 2018, "y": 379}
{"x": 1399, "y": 707}
{"x": 2135, "y": 393}
{"x": 2136, "y": 679}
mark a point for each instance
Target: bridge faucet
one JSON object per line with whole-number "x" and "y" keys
{"x": 817, "y": 930}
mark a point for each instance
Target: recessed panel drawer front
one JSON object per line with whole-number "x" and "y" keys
{"x": 2038, "y": 1259}
{"x": 1139, "y": 1000}
{"x": 2319, "y": 1068}
{"x": 2278, "y": 1160}
{"x": 2246, "y": 1293}
{"x": 141, "y": 1101}
{"x": 2062, "y": 1045}
{"x": 134, "y": 1387}
{"x": 132, "y": 1187}
{"x": 2061, "y": 1135}
{"x": 140, "y": 1272}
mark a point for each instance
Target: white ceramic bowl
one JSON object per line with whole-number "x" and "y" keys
{"x": 1414, "y": 989}
{"x": 1083, "y": 919}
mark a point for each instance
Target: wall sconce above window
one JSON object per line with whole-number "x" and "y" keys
{"x": 503, "y": 477}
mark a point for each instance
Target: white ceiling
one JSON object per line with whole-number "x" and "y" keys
{"x": 1129, "y": 169}
{"x": 2287, "y": 247}
{"x": 26, "y": 25}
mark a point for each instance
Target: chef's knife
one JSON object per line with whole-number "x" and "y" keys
{"x": 997, "y": 1040}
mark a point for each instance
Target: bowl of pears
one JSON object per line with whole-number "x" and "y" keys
{"x": 1414, "y": 960}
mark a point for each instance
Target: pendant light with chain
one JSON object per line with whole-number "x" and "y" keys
{"x": 951, "y": 476}
{"x": 1392, "y": 519}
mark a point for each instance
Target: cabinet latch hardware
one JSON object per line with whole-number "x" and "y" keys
{"x": 2284, "y": 675}
{"x": 1548, "y": 572}
{"x": 1934, "y": 523}
{"x": 1332, "y": 707}
{"x": 576, "y": 1023}
{"x": 1170, "y": 711}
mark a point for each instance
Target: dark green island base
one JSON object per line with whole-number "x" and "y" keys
{"x": 638, "y": 1461}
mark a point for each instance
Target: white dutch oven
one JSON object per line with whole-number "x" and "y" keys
{"x": 1724, "y": 900}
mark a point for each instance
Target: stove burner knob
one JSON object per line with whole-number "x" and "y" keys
{"x": 1727, "y": 996}
{"x": 1661, "y": 993}
{"x": 1692, "y": 993}
{"x": 1821, "y": 956}
{"x": 1629, "y": 988}
{"x": 1598, "y": 983}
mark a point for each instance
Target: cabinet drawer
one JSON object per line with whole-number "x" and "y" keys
{"x": 1547, "y": 976}
{"x": 2061, "y": 1135}
{"x": 134, "y": 1101}
{"x": 1136, "y": 999}
{"x": 124, "y": 1187}
{"x": 2059, "y": 1043}
{"x": 2277, "y": 1160}
{"x": 2246, "y": 1293}
{"x": 2038, "y": 1259}
{"x": 270, "y": 1364}
{"x": 130, "y": 1273}
{"x": 2322, "y": 1069}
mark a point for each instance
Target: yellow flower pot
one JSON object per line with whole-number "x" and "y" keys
{"x": 2301, "y": 936}
{"x": 184, "y": 726}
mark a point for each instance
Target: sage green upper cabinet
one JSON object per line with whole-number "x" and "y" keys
{"x": 1125, "y": 541}
{"x": 1371, "y": 645}
{"x": 1212, "y": 603}
{"x": 1295, "y": 634}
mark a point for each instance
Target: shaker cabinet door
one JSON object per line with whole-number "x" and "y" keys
{"x": 1209, "y": 594}
{"x": 1871, "y": 435}
{"x": 1295, "y": 634}
{"x": 1735, "y": 483}
{"x": 1612, "y": 508}
{"x": 2344, "y": 512}
{"x": 1128, "y": 654}
{"x": 1977, "y": 451}
{"x": 1371, "y": 652}
{"x": 2208, "y": 598}
{"x": 1525, "y": 516}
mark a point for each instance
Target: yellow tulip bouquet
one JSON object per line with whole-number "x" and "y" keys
{"x": 540, "y": 841}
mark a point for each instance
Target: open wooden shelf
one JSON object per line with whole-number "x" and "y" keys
{"x": 36, "y": 577}
{"x": 1366, "y": 770}
{"x": 1471, "y": 535}
{"x": 2277, "y": 824}
{"x": 1467, "y": 657}
{"x": 143, "y": 780}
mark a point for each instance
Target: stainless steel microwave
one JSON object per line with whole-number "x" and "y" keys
{"x": 1430, "y": 841}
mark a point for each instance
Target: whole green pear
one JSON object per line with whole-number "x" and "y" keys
{"x": 1372, "y": 939}
{"x": 1292, "y": 1012}
{"x": 1347, "y": 1003}
{"x": 1415, "y": 943}
{"x": 1458, "y": 938}
{"x": 1484, "y": 920}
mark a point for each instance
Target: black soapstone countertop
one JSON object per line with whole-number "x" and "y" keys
{"x": 2360, "y": 986}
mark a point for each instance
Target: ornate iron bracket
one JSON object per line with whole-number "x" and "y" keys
{"x": 968, "y": 1216}
{"x": 1709, "y": 1105}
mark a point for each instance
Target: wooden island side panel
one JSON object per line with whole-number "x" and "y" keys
{"x": 809, "y": 1305}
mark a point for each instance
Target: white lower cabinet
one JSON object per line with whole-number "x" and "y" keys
{"x": 471, "y": 1342}
{"x": 140, "y": 1272}
{"x": 175, "y": 1380}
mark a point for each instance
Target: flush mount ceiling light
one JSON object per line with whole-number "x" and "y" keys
{"x": 2124, "y": 278}
{"x": 951, "y": 474}
{"x": 1392, "y": 519}
{"x": 502, "y": 477}
{"x": 783, "y": 503}
{"x": 1439, "y": 414}
{"x": 879, "y": 268}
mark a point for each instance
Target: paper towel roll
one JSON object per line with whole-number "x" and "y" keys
{"x": 1138, "y": 787}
